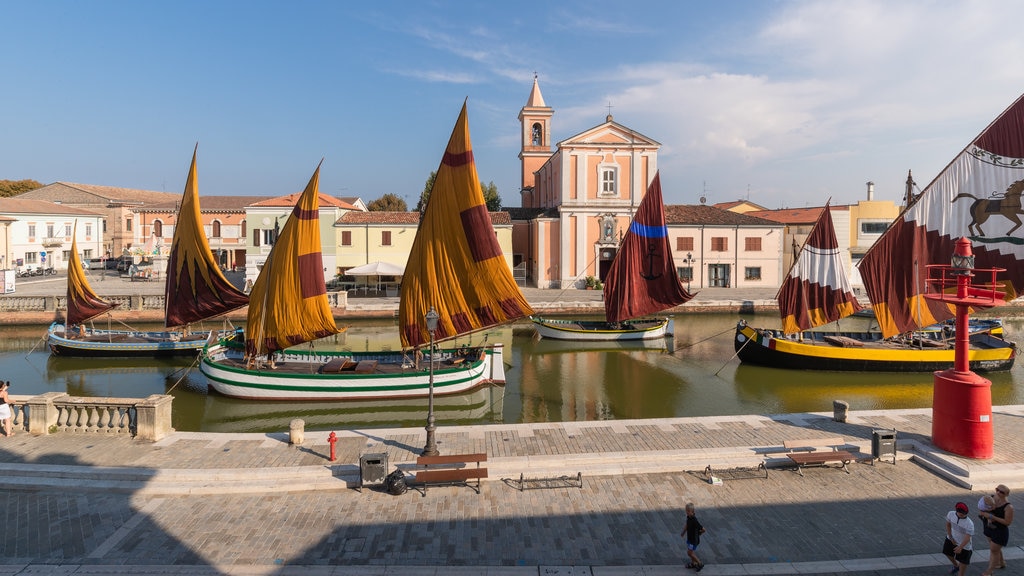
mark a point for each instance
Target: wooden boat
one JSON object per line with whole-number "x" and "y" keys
{"x": 195, "y": 290}
{"x": 817, "y": 292}
{"x": 455, "y": 269}
{"x": 642, "y": 281}
{"x": 867, "y": 351}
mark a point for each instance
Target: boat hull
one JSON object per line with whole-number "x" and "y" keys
{"x": 601, "y": 331}
{"x": 124, "y": 343}
{"x": 301, "y": 375}
{"x": 770, "y": 348}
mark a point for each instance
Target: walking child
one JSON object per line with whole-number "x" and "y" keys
{"x": 691, "y": 533}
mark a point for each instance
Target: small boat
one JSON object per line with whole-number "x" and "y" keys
{"x": 456, "y": 273}
{"x": 817, "y": 292}
{"x": 196, "y": 290}
{"x": 642, "y": 281}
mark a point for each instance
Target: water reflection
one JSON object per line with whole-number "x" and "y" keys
{"x": 695, "y": 374}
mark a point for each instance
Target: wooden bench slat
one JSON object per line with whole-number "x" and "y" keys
{"x": 814, "y": 443}
{"x": 451, "y": 459}
{"x": 450, "y": 475}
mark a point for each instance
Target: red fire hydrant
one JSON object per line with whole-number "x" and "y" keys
{"x": 332, "y": 439}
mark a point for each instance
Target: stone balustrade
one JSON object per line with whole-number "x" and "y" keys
{"x": 142, "y": 418}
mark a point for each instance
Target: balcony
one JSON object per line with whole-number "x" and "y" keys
{"x": 52, "y": 242}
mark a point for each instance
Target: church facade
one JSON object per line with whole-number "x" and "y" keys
{"x": 578, "y": 198}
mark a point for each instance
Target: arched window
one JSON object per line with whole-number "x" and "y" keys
{"x": 215, "y": 229}
{"x": 158, "y": 228}
{"x": 537, "y": 138}
{"x": 243, "y": 229}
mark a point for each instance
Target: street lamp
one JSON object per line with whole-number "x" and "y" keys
{"x": 689, "y": 267}
{"x": 431, "y": 448}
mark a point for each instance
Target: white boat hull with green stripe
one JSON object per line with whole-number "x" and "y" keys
{"x": 303, "y": 375}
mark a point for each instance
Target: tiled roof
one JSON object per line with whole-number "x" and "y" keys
{"x": 383, "y": 217}
{"x": 380, "y": 217}
{"x": 23, "y": 206}
{"x": 210, "y": 204}
{"x": 291, "y": 199}
{"x": 127, "y": 195}
{"x": 699, "y": 214}
{"x": 795, "y": 215}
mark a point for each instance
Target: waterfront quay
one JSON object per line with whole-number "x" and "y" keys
{"x": 35, "y": 301}
{"x": 247, "y": 504}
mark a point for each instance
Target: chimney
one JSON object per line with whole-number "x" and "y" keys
{"x": 871, "y": 191}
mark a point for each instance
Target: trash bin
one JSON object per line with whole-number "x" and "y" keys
{"x": 883, "y": 444}
{"x": 373, "y": 468}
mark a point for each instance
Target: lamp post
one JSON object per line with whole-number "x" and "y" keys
{"x": 431, "y": 448}
{"x": 689, "y": 266}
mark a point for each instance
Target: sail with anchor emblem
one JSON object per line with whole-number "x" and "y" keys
{"x": 642, "y": 279}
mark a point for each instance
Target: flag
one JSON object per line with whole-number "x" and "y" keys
{"x": 977, "y": 196}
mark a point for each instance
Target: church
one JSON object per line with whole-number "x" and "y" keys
{"x": 578, "y": 199}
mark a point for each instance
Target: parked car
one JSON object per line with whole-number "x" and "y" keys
{"x": 95, "y": 264}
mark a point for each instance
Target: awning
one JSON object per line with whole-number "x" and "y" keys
{"x": 376, "y": 269}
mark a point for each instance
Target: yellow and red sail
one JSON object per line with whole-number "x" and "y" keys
{"x": 456, "y": 265}
{"x": 195, "y": 289}
{"x": 83, "y": 303}
{"x": 978, "y": 197}
{"x": 288, "y": 304}
{"x": 817, "y": 290}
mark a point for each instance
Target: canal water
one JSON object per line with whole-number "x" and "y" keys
{"x": 694, "y": 374}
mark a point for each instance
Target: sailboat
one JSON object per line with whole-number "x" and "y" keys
{"x": 196, "y": 290}
{"x": 817, "y": 292}
{"x": 642, "y": 281}
{"x": 455, "y": 269}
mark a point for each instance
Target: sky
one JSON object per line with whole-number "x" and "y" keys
{"x": 782, "y": 103}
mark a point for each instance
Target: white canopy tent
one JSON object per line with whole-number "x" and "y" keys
{"x": 377, "y": 269}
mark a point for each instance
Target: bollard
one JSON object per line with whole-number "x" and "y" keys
{"x": 297, "y": 432}
{"x": 839, "y": 408}
{"x": 332, "y": 439}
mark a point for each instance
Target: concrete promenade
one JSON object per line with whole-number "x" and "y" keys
{"x": 253, "y": 504}
{"x": 246, "y": 504}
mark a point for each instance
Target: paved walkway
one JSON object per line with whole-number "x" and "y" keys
{"x": 253, "y": 504}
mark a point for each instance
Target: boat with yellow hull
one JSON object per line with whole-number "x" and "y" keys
{"x": 867, "y": 351}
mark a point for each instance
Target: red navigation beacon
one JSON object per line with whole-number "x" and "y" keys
{"x": 962, "y": 400}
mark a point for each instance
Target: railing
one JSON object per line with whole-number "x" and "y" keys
{"x": 12, "y": 303}
{"x": 53, "y": 412}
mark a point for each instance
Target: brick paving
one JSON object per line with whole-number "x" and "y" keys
{"x": 198, "y": 503}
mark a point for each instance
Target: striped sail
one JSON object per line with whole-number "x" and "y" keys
{"x": 977, "y": 196}
{"x": 456, "y": 265}
{"x": 642, "y": 279}
{"x": 83, "y": 303}
{"x": 288, "y": 303}
{"x": 195, "y": 289}
{"x": 817, "y": 291}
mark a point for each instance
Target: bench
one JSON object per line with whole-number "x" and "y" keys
{"x": 805, "y": 453}
{"x": 450, "y": 469}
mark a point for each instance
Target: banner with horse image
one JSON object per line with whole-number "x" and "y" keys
{"x": 977, "y": 196}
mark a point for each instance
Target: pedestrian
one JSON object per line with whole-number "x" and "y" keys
{"x": 957, "y": 545}
{"x": 691, "y": 533}
{"x": 998, "y": 520}
{"x": 5, "y": 409}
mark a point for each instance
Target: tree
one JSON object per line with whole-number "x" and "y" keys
{"x": 425, "y": 195}
{"x": 490, "y": 190}
{"x": 388, "y": 203}
{"x": 10, "y": 188}
{"x": 491, "y": 197}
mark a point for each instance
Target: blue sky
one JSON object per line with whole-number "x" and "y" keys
{"x": 785, "y": 103}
